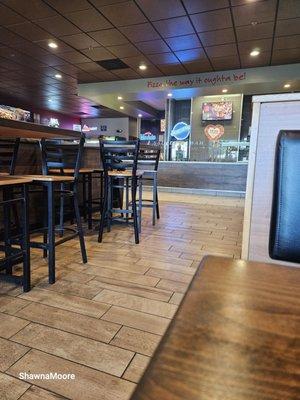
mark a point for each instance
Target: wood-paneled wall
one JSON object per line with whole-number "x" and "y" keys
{"x": 194, "y": 175}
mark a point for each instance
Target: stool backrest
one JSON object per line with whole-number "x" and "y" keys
{"x": 61, "y": 154}
{"x": 149, "y": 157}
{"x": 119, "y": 155}
{"x": 8, "y": 155}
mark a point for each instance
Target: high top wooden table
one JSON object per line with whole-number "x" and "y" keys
{"x": 236, "y": 336}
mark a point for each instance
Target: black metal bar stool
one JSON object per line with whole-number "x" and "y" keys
{"x": 87, "y": 194}
{"x": 85, "y": 179}
{"x": 59, "y": 154}
{"x": 94, "y": 203}
{"x": 89, "y": 203}
{"x": 8, "y": 157}
{"x": 119, "y": 161}
{"x": 148, "y": 161}
{"x": 14, "y": 255}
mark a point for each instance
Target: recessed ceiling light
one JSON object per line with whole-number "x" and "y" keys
{"x": 143, "y": 67}
{"x": 53, "y": 45}
{"x": 287, "y": 85}
{"x": 140, "y": 115}
{"x": 120, "y": 98}
{"x": 224, "y": 90}
{"x": 169, "y": 94}
{"x": 121, "y": 108}
{"x": 254, "y": 53}
{"x": 50, "y": 100}
{"x": 58, "y": 76}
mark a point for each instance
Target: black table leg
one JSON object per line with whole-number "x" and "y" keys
{"x": 51, "y": 232}
{"x": 7, "y": 228}
{"x": 45, "y": 221}
{"x": 90, "y": 199}
{"x": 84, "y": 200}
{"x": 25, "y": 241}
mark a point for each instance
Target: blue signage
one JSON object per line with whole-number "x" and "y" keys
{"x": 148, "y": 136}
{"x": 181, "y": 131}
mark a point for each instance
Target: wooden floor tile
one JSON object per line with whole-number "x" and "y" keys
{"x": 88, "y": 384}
{"x": 176, "y": 298}
{"x": 78, "y": 277}
{"x": 71, "y": 288}
{"x": 136, "y": 303}
{"x": 172, "y": 285}
{"x": 11, "y": 305}
{"x": 10, "y": 325}
{"x": 91, "y": 353}
{"x": 66, "y": 302}
{"x": 8, "y": 288}
{"x": 136, "y": 368}
{"x": 131, "y": 288}
{"x": 138, "y": 320}
{"x": 110, "y": 262}
{"x": 123, "y": 276}
{"x": 136, "y": 340}
{"x": 179, "y": 264}
{"x": 10, "y": 352}
{"x": 86, "y": 326}
{"x": 11, "y": 388}
{"x": 36, "y": 393}
{"x": 165, "y": 256}
{"x": 174, "y": 276}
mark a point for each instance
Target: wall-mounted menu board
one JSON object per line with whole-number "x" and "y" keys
{"x": 16, "y": 114}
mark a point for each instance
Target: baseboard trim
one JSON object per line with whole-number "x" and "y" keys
{"x": 204, "y": 192}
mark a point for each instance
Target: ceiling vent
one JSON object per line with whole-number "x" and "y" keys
{"x": 114, "y": 63}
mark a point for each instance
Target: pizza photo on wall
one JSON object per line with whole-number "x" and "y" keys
{"x": 214, "y": 132}
{"x": 217, "y": 111}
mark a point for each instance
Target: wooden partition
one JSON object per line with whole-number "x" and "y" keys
{"x": 223, "y": 177}
{"x": 271, "y": 113}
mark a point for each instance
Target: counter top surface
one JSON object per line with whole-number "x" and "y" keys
{"x": 235, "y": 337}
{"x": 11, "y": 128}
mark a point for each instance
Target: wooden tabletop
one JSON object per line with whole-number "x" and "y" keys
{"x": 47, "y": 178}
{"x": 235, "y": 336}
{"x": 13, "y": 180}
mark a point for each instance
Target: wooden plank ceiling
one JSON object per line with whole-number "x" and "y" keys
{"x": 169, "y": 36}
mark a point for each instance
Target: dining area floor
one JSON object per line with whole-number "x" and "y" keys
{"x": 98, "y": 326}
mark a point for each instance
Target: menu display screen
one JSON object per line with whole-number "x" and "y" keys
{"x": 218, "y": 111}
{"x": 16, "y": 114}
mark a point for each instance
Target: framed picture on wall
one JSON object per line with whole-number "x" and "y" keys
{"x": 217, "y": 111}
